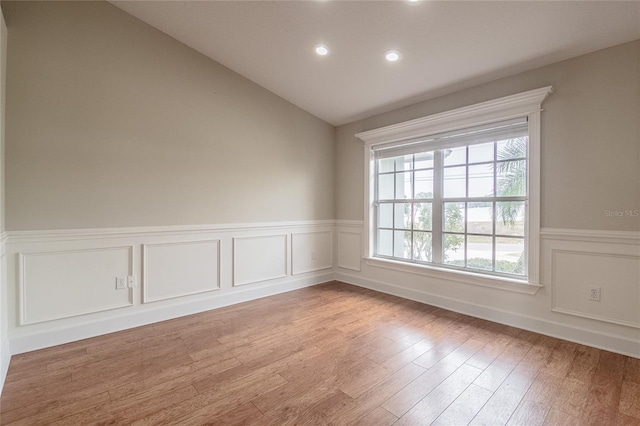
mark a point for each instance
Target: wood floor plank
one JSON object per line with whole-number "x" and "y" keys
{"x": 60, "y": 407}
{"x": 556, "y": 417}
{"x": 630, "y": 399}
{"x": 632, "y": 370}
{"x": 436, "y": 402}
{"x": 500, "y": 407}
{"x": 602, "y": 401}
{"x": 495, "y": 374}
{"x": 623, "y": 420}
{"x": 584, "y": 363}
{"x": 465, "y": 407}
{"x": 371, "y": 400}
{"x": 125, "y": 411}
{"x": 405, "y": 399}
{"x": 215, "y": 401}
{"x": 377, "y": 417}
{"x": 537, "y": 402}
{"x": 240, "y": 415}
{"x": 331, "y": 354}
{"x": 170, "y": 379}
{"x": 571, "y": 397}
{"x": 485, "y": 356}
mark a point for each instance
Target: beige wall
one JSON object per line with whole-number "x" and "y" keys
{"x": 112, "y": 123}
{"x": 590, "y": 139}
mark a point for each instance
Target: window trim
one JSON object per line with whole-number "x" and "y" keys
{"x": 526, "y": 104}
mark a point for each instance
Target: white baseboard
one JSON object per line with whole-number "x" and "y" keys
{"x": 5, "y": 359}
{"x": 583, "y": 336}
{"x": 35, "y": 341}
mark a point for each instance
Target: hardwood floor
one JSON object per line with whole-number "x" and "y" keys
{"x": 330, "y": 354}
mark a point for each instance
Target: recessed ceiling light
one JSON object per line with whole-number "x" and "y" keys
{"x": 392, "y": 56}
{"x": 322, "y": 50}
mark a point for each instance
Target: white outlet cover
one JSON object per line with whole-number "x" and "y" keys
{"x": 120, "y": 284}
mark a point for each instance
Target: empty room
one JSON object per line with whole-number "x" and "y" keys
{"x": 320, "y": 212}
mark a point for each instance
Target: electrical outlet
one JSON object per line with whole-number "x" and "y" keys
{"x": 313, "y": 255}
{"x": 131, "y": 281}
{"x": 594, "y": 294}
{"x": 120, "y": 283}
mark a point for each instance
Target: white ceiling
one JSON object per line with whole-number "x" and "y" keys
{"x": 446, "y": 45}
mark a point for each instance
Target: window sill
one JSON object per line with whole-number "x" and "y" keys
{"x": 518, "y": 286}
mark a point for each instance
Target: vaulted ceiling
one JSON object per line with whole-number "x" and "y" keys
{"x": 445, "y": 45}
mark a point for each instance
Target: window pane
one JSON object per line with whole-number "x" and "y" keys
{"x": 402, "y": 244}
{"x": 453, "y": 249}
{"x": 480, "y": 218}
{"x": 385, "y": 187}
{"x": 424, "y": 184}
{"x": 404, "y": 186}
{"x": 424, "y": 160}
{"x": 510, "y": 255}
{"x": 402, "y": 215}
{"x": 481, "y": 180}
{"x": 422, "y": 246}
{"x": 512, "y": 148}
{"x": 422, "y": 216}
{"x": 454, "y": 217}
{"x": 404, "y": 162}
{"x": 385, "y": 215}
{"x": 480, "y": 252}
{"x": 481, "y": 153}
{"x": 510, "y": 218}
{"x": 455, "y": 156}
{"x": 455, "y": 182}
{"x": 512, "y": 178}
{"x": 385, "y": 242}
{"x": 385, "y": 165}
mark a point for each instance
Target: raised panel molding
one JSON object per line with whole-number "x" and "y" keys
{"x": 62, "y": 284}
{"x": 259, "y": 258}
{"x": 311, "y": 251}
{"x": 574, "y": 272}
{"x": 177, "y": 269}
{"x": 349, "y": 249}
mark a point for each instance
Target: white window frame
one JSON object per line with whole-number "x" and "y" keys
{"x": 526, "y": 104}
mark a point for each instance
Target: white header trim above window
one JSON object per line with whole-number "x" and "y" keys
{"x": 485, "y": 112}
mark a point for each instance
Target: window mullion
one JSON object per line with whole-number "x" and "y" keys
{"x": 437, "y": 208}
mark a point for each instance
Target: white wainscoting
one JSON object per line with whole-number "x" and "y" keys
{"x": 350, "y": 251}
{"x": 196, "y": 268}
{"x": 311, "y": 251}
{"x": 61, "y": 285}
{"x": 5, "y": 352}
{"x": 179, "y": 269}
{"x": 607, "y": 262}
{"x": 259, "y": 258}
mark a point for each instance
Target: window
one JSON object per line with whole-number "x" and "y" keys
{"x": 458, "y": 192}
{"x": 461, "y": 206}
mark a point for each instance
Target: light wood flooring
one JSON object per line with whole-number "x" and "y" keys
{"x": 329, "y": 354}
